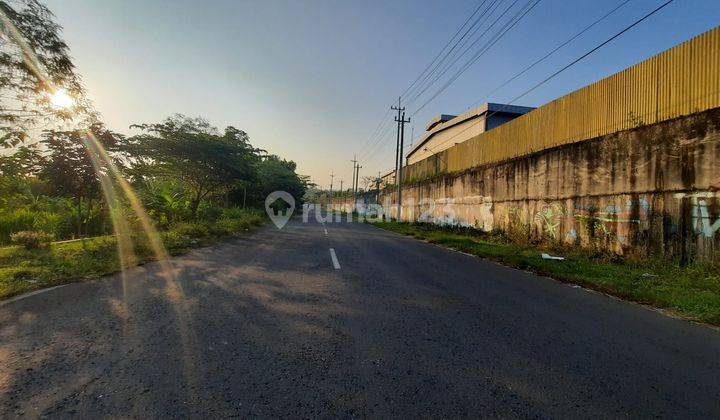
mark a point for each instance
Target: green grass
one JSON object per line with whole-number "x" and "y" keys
{"x": 692, "y": 292}
{"x": 23, "y": 270}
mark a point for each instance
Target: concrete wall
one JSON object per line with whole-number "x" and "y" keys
{"x": 652, "y": 189}
{"x": 349, "y": 204}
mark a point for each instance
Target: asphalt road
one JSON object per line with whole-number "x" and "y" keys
{"x": 272, "y": 325}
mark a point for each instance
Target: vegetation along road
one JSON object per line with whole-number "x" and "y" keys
{"x": 346, "y": 320}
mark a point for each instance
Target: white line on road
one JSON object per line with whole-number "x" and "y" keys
{"x": 325, "y": 230}
{"x": 27, "y": 295}
{"x": 334, "y": 259}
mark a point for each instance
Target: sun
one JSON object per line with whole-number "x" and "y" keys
{"x": 61, "y": 100}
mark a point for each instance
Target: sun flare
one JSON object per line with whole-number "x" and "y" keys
{"x": 61, "y": 100}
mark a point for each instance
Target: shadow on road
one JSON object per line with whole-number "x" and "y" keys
{"x": 404, "y": 329}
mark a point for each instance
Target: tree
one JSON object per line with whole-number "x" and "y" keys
{"x": 194, "y": 152}
{"x": 16, "y": 172}
{"x": 369, "y": 183}
{"x": 25, "y": 161}
{"x": 69, "y": 168}
{"x": 34, "y": 64}
{"x": 276, "y": 174}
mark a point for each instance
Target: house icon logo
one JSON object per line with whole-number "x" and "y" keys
{"x": 279, "y": 206}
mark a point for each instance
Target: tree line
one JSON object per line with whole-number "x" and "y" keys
{"x": 184, "y": 169}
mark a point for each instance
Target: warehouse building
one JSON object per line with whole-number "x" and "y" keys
{"x": 445, "y": 131}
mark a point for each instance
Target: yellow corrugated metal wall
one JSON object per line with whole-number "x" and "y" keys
{"x": 680, "y": 81}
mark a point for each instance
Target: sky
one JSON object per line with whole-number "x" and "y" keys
{"x": 312, "y": 80}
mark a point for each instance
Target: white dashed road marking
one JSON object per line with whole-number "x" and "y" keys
{"x": 334, "y": 259}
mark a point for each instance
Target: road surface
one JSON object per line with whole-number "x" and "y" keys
{"x": 346, "y": 320}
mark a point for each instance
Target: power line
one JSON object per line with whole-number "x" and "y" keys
{"x": 375, "y": 134}
{"x": 498, "y": 36}
{"x": 378, "y": 134}
{"x": 553, "y": 51}
{"x": 442, "y": 60}
{"x": 463, "y": 50}
{"x": 607, "y": 41}
{"x": 461, "y": 53}
{"x": 382, "y": 143}
{"x": 376, "y": 130}
{"x": 382, "y": 133}
{"x": 443, "y": 49}
{"x": 379, "y": 146}
{"x": 382, "y": 129}
{"x": 547, "y": 79}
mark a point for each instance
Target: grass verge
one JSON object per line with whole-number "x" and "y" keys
{"x": 691, "y": 292}
{"x": 23, "y": 270}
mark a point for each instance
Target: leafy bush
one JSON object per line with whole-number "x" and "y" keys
{"x": 50, "y": 222}
{"x": 230, "y": 226}
{"x": 175, "y": 243}
{"x": 15, "y": 221}
{"x": 192, "y": 230}
{"x": 209, "y": 211}
{"x": 56, "y": 216}
{"x": 31, "y": 239}
{"x": 234, "y": 213}
{"x": 255, "y": 220}
{"x": 239, "y": 219}
{"x": 234, "y": 220}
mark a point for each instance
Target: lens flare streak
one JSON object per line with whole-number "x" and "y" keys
{"x": 110, "y": 176}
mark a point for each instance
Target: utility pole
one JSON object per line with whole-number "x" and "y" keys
{"x": 332, "y": 176}
{"x": 357, "y": 187}
{"x": 357, "y": 177}
{"x": 401, "y": 139}
{"x": 354, "y": 161}
{"x": 398, "y": 157}
{"x": 377, "y": 189}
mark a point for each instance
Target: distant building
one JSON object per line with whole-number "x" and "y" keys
{"x": 387, "y": 179}
{"x": 445, "y": 131}
{"x": 440, "y": 119}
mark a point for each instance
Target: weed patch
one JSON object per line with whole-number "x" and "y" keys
{"x": 24, "y": 269}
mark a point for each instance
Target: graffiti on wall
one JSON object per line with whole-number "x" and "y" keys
{"x": 702, "y": 221}
{"x": 470, "y": 211}
{"x": 614, "y": 219}
{"x": 550, "y": 217}
{"x": 610, "y": 221}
